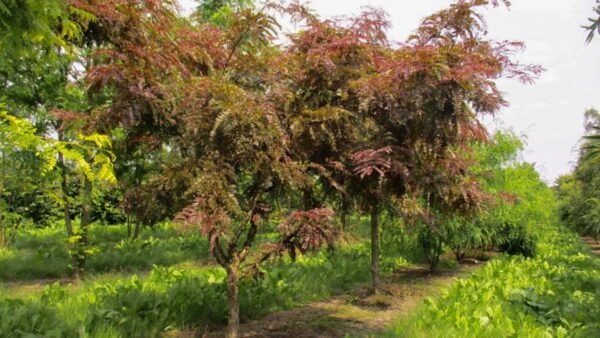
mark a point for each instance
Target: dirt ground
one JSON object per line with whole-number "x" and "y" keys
{"x": 356, "y": 314}
{"x": 593, "y": 244}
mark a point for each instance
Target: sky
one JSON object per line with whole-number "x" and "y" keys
{"x": 550, "y": 112}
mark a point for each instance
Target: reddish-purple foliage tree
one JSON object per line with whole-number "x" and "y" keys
{"x": 373, "y": 120}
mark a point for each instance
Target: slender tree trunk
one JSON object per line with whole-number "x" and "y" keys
{"x": 345, "y": 208}
{"x": 86, "y": 206}
{"x": 233, "y": 300}
{"x": 10, "y": 239}
{"x": 375, "y": 249}
{"x": 2, "y": 232}
{"x": 292, "y": 252}
{"x": 64, "y": 187}
{"x": 80, "y": 255}
{"x": 308, "y": 200}
{"x": 128, "y": 225}
{"x": 138, "y": 227}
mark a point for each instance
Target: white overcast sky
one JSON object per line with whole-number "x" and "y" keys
{"x": 550, "y": 112}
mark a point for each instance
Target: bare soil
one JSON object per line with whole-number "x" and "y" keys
{"x": 593, "y": 244}
{"x": 356, "y": 314}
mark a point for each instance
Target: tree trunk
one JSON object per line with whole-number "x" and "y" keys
{"x": 2, "y": 232}
{"x": 64, "y": 187}
{"x": 138, "y": 227}
{"x": 233, "y": 300}
{"x": 308, "y": 200}
{"x": 346, "y": 203}
{"x": 128, "y": 225}
{"x": 375, "y": 249}
{"x": 292, "y": 252}
{"x": 11, "y": 238}
{"x": 86, "y": 206}
{"x": 80, "y": 254}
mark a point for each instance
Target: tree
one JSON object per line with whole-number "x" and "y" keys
{"x": 199, "y": 92}
{"x": 220, "y": 12}
{"x": 425, "y": 97}
{"x": 89, "y": 154}
{"x": 578, "y": 192}
{"x": 594, "y": 23}
{"x": 592, "y": 131}
{"x": 47, "y": 23}
{"x": 17, "y": 136}
{"x": 39, "y": 48}
{"x": 246, "y": 165}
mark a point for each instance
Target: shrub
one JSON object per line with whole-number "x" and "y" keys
{"x": 554, "y": 294}
{"x": 19, "y": 318}
{"x": 517, "y": 240}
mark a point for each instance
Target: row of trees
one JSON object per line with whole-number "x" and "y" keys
{"x": 217, "y": 124}
{"x": 579, "y": 192}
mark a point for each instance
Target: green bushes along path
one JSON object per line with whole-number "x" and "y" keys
{"x": 556, "y": 294}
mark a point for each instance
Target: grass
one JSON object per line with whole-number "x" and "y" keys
{"x": 43, "y": 253}
{"x": 170, "y": 297}
{"x": 556, "y": 294}
{"x": 156, "y": 284}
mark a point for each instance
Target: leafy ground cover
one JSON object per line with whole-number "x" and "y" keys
{"x": 176, "y": 297}
{"x": 44, "y": 252}
{"x": 553, "y": 295}
{"x": 357, "y": 312}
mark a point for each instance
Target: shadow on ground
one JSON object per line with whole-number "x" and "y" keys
{"x": 356, "y": 314}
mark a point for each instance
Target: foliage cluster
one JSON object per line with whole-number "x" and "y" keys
{"x": 44, "y": 253}
{"x": 171, "y": 297}
{"x": 555, "y": 294}
{"x": 208, "y": 120}
{"x": 579, "y": 192}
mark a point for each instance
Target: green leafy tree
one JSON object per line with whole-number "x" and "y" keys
{"x": 220, "y": 12}
{"x": 579, "y": 192}
{"x": 30, "y": 24}
{"x": 522, "y": 201}
{"x": 17, "y": 136}
{"x": 89, "y": 154}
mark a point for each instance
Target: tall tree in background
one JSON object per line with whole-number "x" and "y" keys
{"x": 220, "y": 12}
{"x": 38, "y": 24}
{"x": 38, "y": 56}
{"x": 579, "y": 192}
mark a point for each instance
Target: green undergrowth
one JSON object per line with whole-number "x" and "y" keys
{"x": 44, "y": 252}
{"x": 171, "y": 298}
{"x": 556, "y": 294}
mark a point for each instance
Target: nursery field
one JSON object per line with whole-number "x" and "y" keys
{"x": 250, "y": 168}
{"x": 554, "y": 295}
{"x": 138, "y": 290}
{"x": 160, "y": 283}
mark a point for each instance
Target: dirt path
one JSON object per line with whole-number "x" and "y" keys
{"x": 593, "y": 244}
{"x": 28, "y": 288}
{"x": 357, "y": 313}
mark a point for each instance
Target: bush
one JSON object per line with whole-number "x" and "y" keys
{"x": 554, "y": 294}
{"x": 44, "y": 252}
{"x": 516, "y": 240}
{"x": 19, "y": 318}
{"x": 170, "y": 297}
